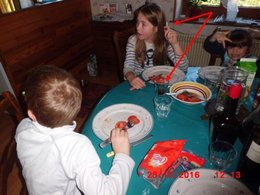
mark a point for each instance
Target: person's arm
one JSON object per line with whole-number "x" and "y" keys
{"x": 214, "y": 47}
{"x": 129, "y": 65}
{"x": 174, "y": 50}
{"x": 89, "y": 176}
{"x": 184, "y": 63}
{"x": 130, "y": 56}
{"x": 214, "y": 43}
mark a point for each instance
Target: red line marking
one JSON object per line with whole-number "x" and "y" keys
{"x": 209, "y": 14}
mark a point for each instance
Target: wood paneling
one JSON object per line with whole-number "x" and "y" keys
{"x": 104, "y": 49}
{"x": 57, "y": 34}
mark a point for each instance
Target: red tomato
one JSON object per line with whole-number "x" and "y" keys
{"x": 133, "y": 119}
{"x": 120, "y": 124}
{"x": 182, "y": 97}
{"x": 188, "y": 97}
{"x": 157, "y": 78}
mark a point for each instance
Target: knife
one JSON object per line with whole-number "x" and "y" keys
{"x": 112, "y": 153}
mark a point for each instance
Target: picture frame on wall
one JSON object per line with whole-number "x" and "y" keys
{"x": 105, "y": 8}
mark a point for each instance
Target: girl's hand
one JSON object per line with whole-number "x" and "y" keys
{"x": 220, "y": 37}
{"x": 137, "y": 83}
{"x": 170, "y": 35}
{"x": 120, "y": 141}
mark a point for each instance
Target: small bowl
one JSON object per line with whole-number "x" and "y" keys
{"x": 200, "y": 90}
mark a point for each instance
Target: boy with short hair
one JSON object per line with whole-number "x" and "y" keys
{"x": 55, "y": 159}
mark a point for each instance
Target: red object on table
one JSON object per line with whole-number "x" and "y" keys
{"x": 160, "y": 158}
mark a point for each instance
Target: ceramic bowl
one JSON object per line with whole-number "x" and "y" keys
{"x": 199, "y": 90}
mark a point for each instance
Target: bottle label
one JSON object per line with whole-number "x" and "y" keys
{"x": 254, "y": 152}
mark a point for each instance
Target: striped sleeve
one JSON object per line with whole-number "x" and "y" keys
{"x": 184, "y": 64}
{"x": 129, "y": 64}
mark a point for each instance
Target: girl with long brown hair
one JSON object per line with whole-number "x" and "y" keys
{"x": 154, "y": 43}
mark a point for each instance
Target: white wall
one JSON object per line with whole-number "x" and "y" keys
{"x": 166, "y": 5}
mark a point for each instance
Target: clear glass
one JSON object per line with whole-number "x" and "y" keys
{"x": 162, "y": 105}
{"x": 230, "y": 76}
{"x": 161, "y": 88}
{"x": 221, "y": 155}
{"x": 212, "y": 81}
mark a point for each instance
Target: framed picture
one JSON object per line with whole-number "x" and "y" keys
{"x": 113, "y": 7}
{"x": 104, "y": 8}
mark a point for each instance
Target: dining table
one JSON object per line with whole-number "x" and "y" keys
{"x": 184, "y": 122}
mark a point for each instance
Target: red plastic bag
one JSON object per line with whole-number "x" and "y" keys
{"x": 161, "y": 157}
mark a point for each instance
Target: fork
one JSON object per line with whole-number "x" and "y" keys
{"x": 108, "y": 140}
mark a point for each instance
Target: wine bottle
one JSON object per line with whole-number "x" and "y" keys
{"x": 225, "y": 125}
{"x": 257, "y": 98}
{"x": 249, "y": 162}
{"x": 246, "y": 125}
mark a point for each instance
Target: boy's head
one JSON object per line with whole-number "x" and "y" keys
{"x": 53, "y": 96}
{"x": 240, "y": 45}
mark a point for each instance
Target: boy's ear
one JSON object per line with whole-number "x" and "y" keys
{"x": 31, "y": 115}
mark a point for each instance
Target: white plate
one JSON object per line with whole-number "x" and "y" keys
{"x": 177, "y": 76}
{"x": 106, "y": 119}
{"x": 207, "y": 183}
{"x": 212, "y": 73}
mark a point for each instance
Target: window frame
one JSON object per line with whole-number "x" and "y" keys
{"x": 244, "y": 12}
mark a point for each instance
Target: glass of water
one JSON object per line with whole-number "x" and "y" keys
{"x": 162, "y": 105}
{"x": 221, "y": 155}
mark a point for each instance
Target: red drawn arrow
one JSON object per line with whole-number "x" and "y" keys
{"x": 209, "y": 14}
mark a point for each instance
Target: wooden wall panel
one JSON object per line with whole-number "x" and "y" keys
{"x": 57, "y": 34}
{"x": 104, "y": 49}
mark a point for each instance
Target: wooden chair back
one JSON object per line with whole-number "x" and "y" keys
{"x": 213, "y": 59}
{"x": 120, "y": 40}
{"x": 8, "y": 104}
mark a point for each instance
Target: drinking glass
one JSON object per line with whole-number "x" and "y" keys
{"x": 221, "y": 155}
{"x": 162, "y": 105}
{"x": 161, "y": 88}
{"x": 212, "y": 81}
{"x": 230, "y": 76}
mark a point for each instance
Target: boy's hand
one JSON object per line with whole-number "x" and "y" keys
{"x": 120, "y": 141}
{"x": 220, "y": 37}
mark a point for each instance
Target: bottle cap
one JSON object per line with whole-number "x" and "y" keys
{"x": 235, "y": 91}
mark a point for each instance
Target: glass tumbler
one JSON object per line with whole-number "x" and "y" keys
{"x": 161, "y": 87}
{"x": 162, "y": 105}
{"x": 230, "y": 76}
{"x": 221, "y": 155}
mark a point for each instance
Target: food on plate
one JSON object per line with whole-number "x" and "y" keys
{"x": 133, "y": 119}
{"x": 188, "y": 96}
{"x": 121, "y": 124}
{"x": 157, "y": 78}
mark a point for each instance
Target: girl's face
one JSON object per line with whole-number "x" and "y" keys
{"x": 235, "y": 53}
{"x": 145, "y": 30}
